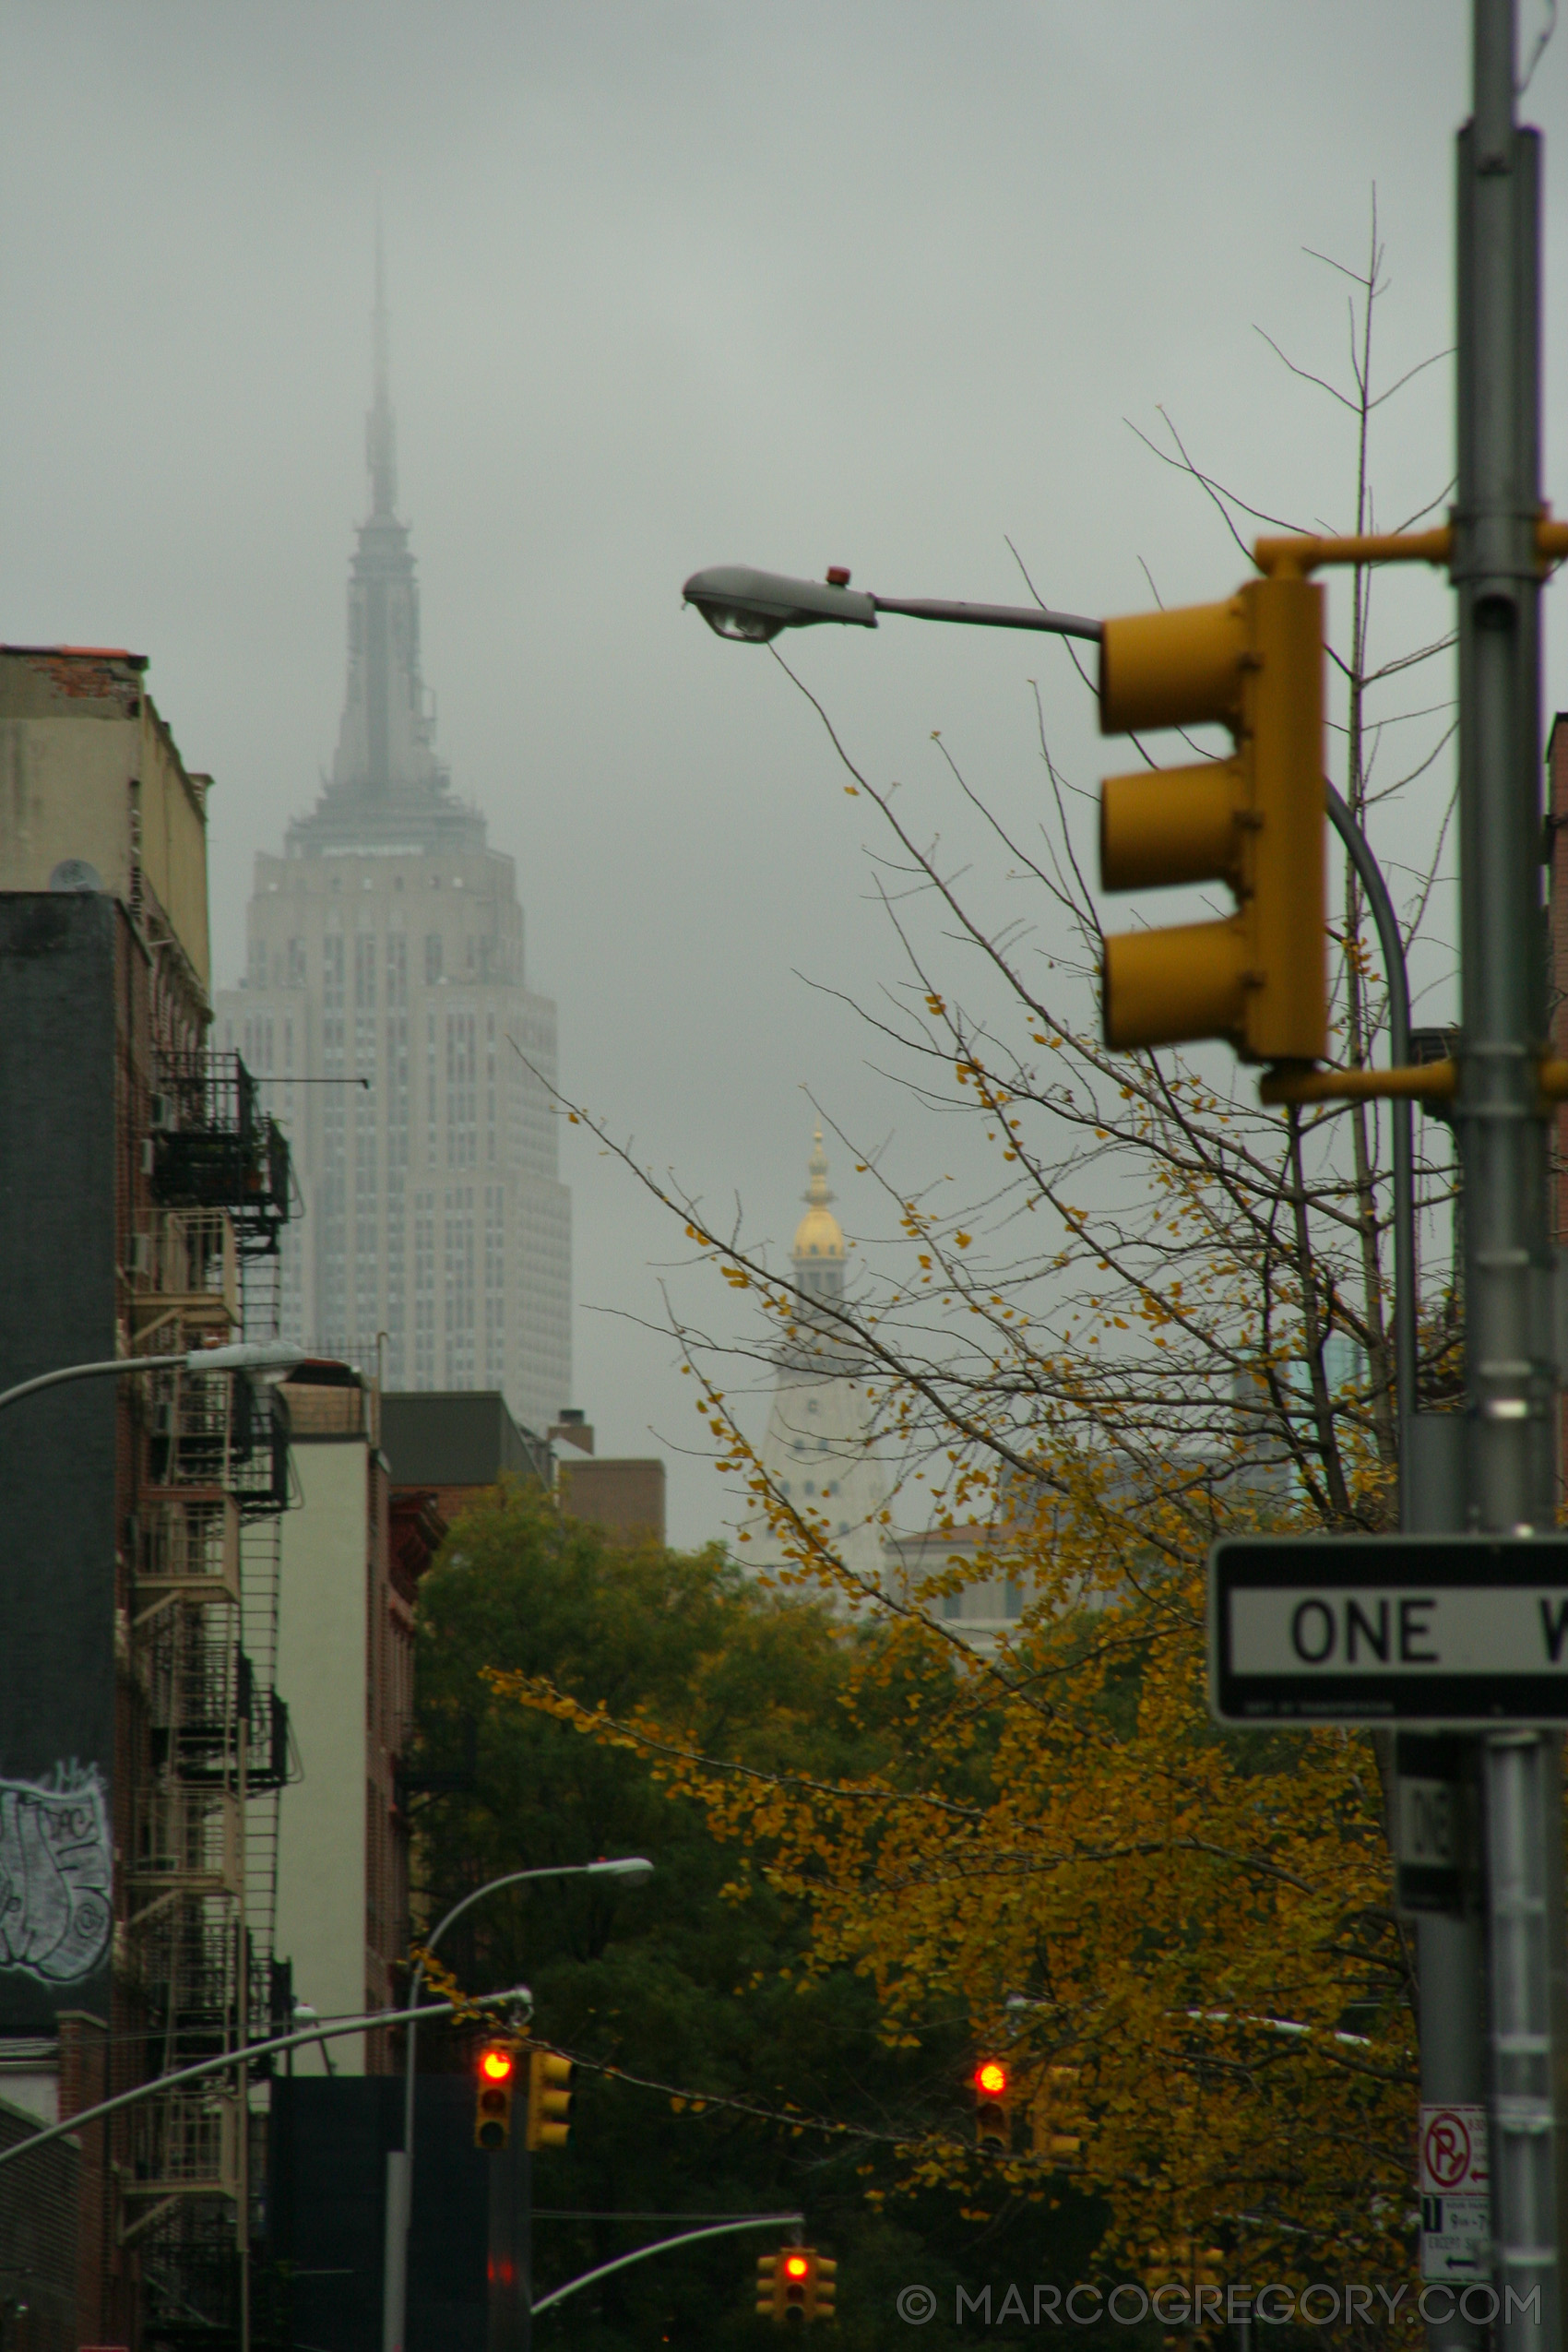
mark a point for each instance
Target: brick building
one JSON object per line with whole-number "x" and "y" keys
{"x": 143, "y": 1191}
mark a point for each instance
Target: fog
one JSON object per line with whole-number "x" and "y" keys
{"x": 672, "y": 284}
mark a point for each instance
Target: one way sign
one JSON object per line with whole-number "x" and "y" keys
{"x": 1380, "y": 1629}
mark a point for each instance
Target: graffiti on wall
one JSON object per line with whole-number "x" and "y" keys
{"x": 56, "y": 1864}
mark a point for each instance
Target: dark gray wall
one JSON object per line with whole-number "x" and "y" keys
{"x": 456, "y": 1437}
{"x": 57, "y": 1533}
{"x": 326, "y": 2207}
{"x": 38, "y": 2198}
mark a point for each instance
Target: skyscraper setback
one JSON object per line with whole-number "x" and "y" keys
{"x": 386, "y": 1010}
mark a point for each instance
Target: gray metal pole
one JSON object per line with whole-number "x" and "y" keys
{"x": 509, "y": 2282}
{"x": 1509, "y": 1382}
{"x": 1449, "y": 1952}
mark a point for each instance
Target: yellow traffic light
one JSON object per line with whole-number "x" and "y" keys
{"x": 1256, "y": 821}
{"x": 550, "y": 2100}
{"x": 1060, "y": 2147}
{"x": 994, "y": 2127}
{"x": 1184, "y": 2264}
{"x": 795, "y": 2264}
{"x": 795, "y": 2285}
{"x": 495, "y": 2078}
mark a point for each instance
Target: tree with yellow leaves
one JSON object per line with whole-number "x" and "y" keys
{"x": 1164, "y": 1318}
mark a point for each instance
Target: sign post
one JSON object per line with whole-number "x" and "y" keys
{"x": 1502, "y": 1121}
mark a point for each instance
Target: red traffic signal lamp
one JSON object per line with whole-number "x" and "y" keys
{"x": 993, "y": 2128}
{"x": 494, "y": 2080}
{"x": 1256, "y": 821}
{"x": 795, "y": 2270}
{"x": 550, "y": 2100}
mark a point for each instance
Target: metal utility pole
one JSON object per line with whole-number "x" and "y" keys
{"x": 510, "y": 2270}
{"x": 1510, "y": 1378}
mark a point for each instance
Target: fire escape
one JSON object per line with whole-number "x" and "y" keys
{"x": 196, "y": 1939}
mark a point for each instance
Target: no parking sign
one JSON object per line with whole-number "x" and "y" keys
{"x": 1455, "y": 2192}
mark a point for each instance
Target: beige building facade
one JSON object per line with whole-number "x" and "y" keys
{"x": 346, "y": 1647}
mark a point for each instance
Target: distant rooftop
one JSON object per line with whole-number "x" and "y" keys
{"x": 446, "y": 1437}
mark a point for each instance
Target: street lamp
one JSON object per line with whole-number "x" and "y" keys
{"x": 750, "y": 607}
{"x": 243, "y": 1354}
{"x": 632, "y": 1870}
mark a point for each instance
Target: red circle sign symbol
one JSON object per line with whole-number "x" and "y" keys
{"x": 1445, "y": 2149}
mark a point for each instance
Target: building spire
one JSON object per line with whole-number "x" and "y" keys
{"x": 380, "y": 438}
{"x": 388, "y": 785}
{"x": 816, "y": 1191}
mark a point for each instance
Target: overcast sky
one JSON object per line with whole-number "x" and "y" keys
{"x": 878, "y": 283}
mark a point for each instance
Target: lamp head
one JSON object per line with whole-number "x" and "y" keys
{"x": 753, "y": 607}
{"x": 247, "y": 1355}
{"x": 635, "y": 1869}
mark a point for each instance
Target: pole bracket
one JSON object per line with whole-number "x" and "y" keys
{"x": 1425, "y": 1081}
{"x": 1300, "y": 554}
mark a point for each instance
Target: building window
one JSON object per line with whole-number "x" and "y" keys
{"x": 432, "y": 958}
{"x": 462, "y": 1091}
{"x": 430, "y": 1120}
{"x": 459, "y": 1237}
{"x": 494, "y": 1286}
{"x": 424, "y": 1290}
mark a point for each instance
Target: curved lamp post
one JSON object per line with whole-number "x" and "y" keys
{"x": 632, "y": 1869}
{"x": 751, "y": 608}
{"x": 261, "y": 1355}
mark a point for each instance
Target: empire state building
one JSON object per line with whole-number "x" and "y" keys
{"x": 386, "y": 968}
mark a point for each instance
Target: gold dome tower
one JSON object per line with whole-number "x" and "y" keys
{"x": 818, "y": 1251}
{"x": 819, "y": 1453}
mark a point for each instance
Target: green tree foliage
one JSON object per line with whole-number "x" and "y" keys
{"x": 696, "y": 1992}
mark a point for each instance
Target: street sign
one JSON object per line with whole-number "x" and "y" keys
{"x": 1382, "y": 1629}
{"x": 1455, "y": 2192}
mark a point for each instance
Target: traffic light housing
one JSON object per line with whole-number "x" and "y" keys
{"x": 1185, "y": 2263}
{"x": 550, "y": 2100}
{"x": 495, "y": 2079}
{"x": 1256, "y": 821}
{"x": 794, "y": 2275}
{"x": 994, "y": 2120}
{"x": 1059, "y": 2148}
{"x": 795, "y": 2283}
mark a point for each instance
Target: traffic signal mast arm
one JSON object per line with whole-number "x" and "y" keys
{"x": 1296, "y": 556}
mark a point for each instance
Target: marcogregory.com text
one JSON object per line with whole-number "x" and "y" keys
{"x": 1322, "y": 2304}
